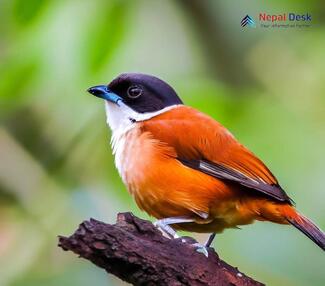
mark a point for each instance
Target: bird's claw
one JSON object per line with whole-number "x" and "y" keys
{"x": 198, "y": 246}
{"x": 201, "y": 249}
{"x": 171, "y": 233}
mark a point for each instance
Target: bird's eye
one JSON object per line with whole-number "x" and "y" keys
{"x": 134, "y": 91}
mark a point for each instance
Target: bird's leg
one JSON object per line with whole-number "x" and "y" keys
{"x": 164, "y": 226}
{"x": 210, "y": 239}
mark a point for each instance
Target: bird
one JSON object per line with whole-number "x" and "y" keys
{"x": 186, "y": 169}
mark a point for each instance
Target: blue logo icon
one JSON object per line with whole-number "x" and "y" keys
{"x": 248, "y": 21}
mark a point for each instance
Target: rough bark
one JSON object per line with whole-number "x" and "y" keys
{"x": 136, "y": 252}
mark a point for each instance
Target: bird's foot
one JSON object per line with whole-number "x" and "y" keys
{"x": 198, "y": 246}
{"x": 164, "y": 225}
{"x": 201, "y": 249}
{"x": 166, "y": 229}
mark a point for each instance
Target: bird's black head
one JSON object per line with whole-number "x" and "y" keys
{"x": 142, "y": 93}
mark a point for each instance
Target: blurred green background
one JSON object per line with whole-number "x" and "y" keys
{"x": 56, "y": 167}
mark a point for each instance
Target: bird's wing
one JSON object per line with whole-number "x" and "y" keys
{"x": 203, "y": 144}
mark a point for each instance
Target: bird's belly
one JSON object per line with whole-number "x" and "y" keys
{"x": 229, "y": 213}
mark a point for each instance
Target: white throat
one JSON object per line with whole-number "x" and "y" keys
{"x": 120, "y": 118}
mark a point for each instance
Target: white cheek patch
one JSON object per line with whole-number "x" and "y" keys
{"x": 121, "y": 117}
{"x": 118, "y": 116}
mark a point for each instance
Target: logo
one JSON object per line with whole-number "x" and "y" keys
{"x": 248, "y": 21}
{"x": 284, "y": 17}
{"x": 278, "y": 21}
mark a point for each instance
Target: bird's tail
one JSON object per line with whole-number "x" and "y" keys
{"x": 305, "y": 225}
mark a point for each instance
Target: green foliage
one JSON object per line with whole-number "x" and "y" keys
{"x": 105, "y": 34}
{"x": 27, "y": 11}
{"x": 16, "y": 77}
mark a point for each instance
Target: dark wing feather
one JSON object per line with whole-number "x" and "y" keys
{"x": 227, "y": 173}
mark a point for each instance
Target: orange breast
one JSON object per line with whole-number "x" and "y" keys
{"x": 160, "y": 184}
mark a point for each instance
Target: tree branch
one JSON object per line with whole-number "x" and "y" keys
{"x": 136, "y": 252}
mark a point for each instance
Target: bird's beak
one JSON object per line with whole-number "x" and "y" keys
{"x": 103, "y": 91}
